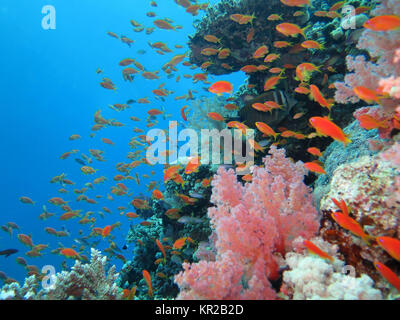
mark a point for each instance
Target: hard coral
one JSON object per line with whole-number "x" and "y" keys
{"x": 84, "y": 282}
{"x": 254, "y": 225}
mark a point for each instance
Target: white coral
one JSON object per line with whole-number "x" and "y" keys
{"x": 313, "y": 278}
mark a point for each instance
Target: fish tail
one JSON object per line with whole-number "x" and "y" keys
{"x": 304, "y": 29}
{"x": 368, "y": 239}
{"x": 346, "y": 141}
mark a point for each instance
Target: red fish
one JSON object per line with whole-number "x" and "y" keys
{"x": 324, "y": 126}
{"x": 147, "y": 277}
{"x": 350, "y": 224}
{"x": 159, "y": 244}
{"x": 390, "y": 245}
{"x": 314, "y": 249}
{"x": 388, "y": 274}
{"x": 383, "y": 23}
{"x": 220, "y": 87}
{"x": 314, "y": 167}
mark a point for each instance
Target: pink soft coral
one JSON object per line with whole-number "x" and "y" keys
{"x": 254, "y": 224}
{"x": 382, "y": 75}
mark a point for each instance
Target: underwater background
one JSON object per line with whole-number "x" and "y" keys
{"x": 50, "y": 91}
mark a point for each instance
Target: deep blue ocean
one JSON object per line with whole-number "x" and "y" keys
{"x": 49, "y": 90}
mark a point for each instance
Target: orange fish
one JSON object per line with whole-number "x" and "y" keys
{"x": 193, "y": 165}
{"x": 271, "y": 57}
{"x": 183, "y": 114}
{"x": 290, "y": 29}
{"x": 388, "y": 274}
{"x": 325, "y": 127}
{"x": 281, "y": 44}
{"x": 157, "y": 194}
{"x": 147, "y": 277}
{"x": 26, "y": 240}
{"x": 274, "y": 17}
{"x": 261, "y": 107}
{"x": 350, "y": 224}
{"x": 260, "y": 52}
{"x": 170, "y": 172}
{"x": 314, "y": 151}
{"x": 317, "y": 96}
{"x": 231, "y": 106}
{"x": 390, "y": 245}
{"x": 368, "y": 122}
{"x": 271, "y": 82}
{"x": 337, "y": 6}
{"x": 163, "y": 24}
{"x": 131, "y": 215}
{"x": 107, "y": 141}
{"x": 314, "y": 167}
{"x": 224, "y": 53}
{"x": 266, "y": 129}
{"x": 342, "y": 206}
{"x": 367, "y": 94}
{"x": 106, "y": 231}
{"x": 277, "y": 70}
{"x": 314, "y": 249}
{"x": 154, "y": 112}
{"x": 249, "y": 68}
{"x": 26, "y": 200}
{"x": 383, "y": 23}
{"x": 220, "y": 87}
{"x": 209, "y": 52}
{"x": 296, "y": 3}
{"x": 305, "y": 70}
{"x": 311, "y": 44}
{"x": 159, "y": 244}
{"x": 211, "y": 38}
{"x": 215, "y": 116}
{"x": 250, "y": 35}
{"x": 178, "y": 244}
{"x": 69, "y": 253}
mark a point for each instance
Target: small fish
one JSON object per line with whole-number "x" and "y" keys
{"x": 161, "y": 247}
{"x": 8, "y": 252}
{"x": 350, "y": 224}
{"x": 314, "y": 151}
{"x": 314, "y": 249}
{"x": 290, "y": 29}
{"x": 388, "y": 274}
{"x": 390, "y": 245}
{"x": 314, "y": 167}
{"x": 324, "y": 126}
{"x": 368, "y": 122}
{"x": 383, "y": 23}
{"x": 147, "y": 278}
{"x": 220, "y": 87}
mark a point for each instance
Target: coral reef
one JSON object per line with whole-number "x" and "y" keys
{"x": 191, "y": 220}
{"x": 335, "y": 155}
{"x": 368, "y": 186}
{"x": 88, "y": 281}
{"x": 253, "y": 226}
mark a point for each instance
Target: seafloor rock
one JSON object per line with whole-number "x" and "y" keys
{"x": 336, "y": 155}
{"x": 367, "y": 186}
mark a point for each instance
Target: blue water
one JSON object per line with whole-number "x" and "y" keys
{"x": 49, "y": 90}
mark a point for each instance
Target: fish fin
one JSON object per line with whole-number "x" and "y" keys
{"x": 304, "y": 29}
